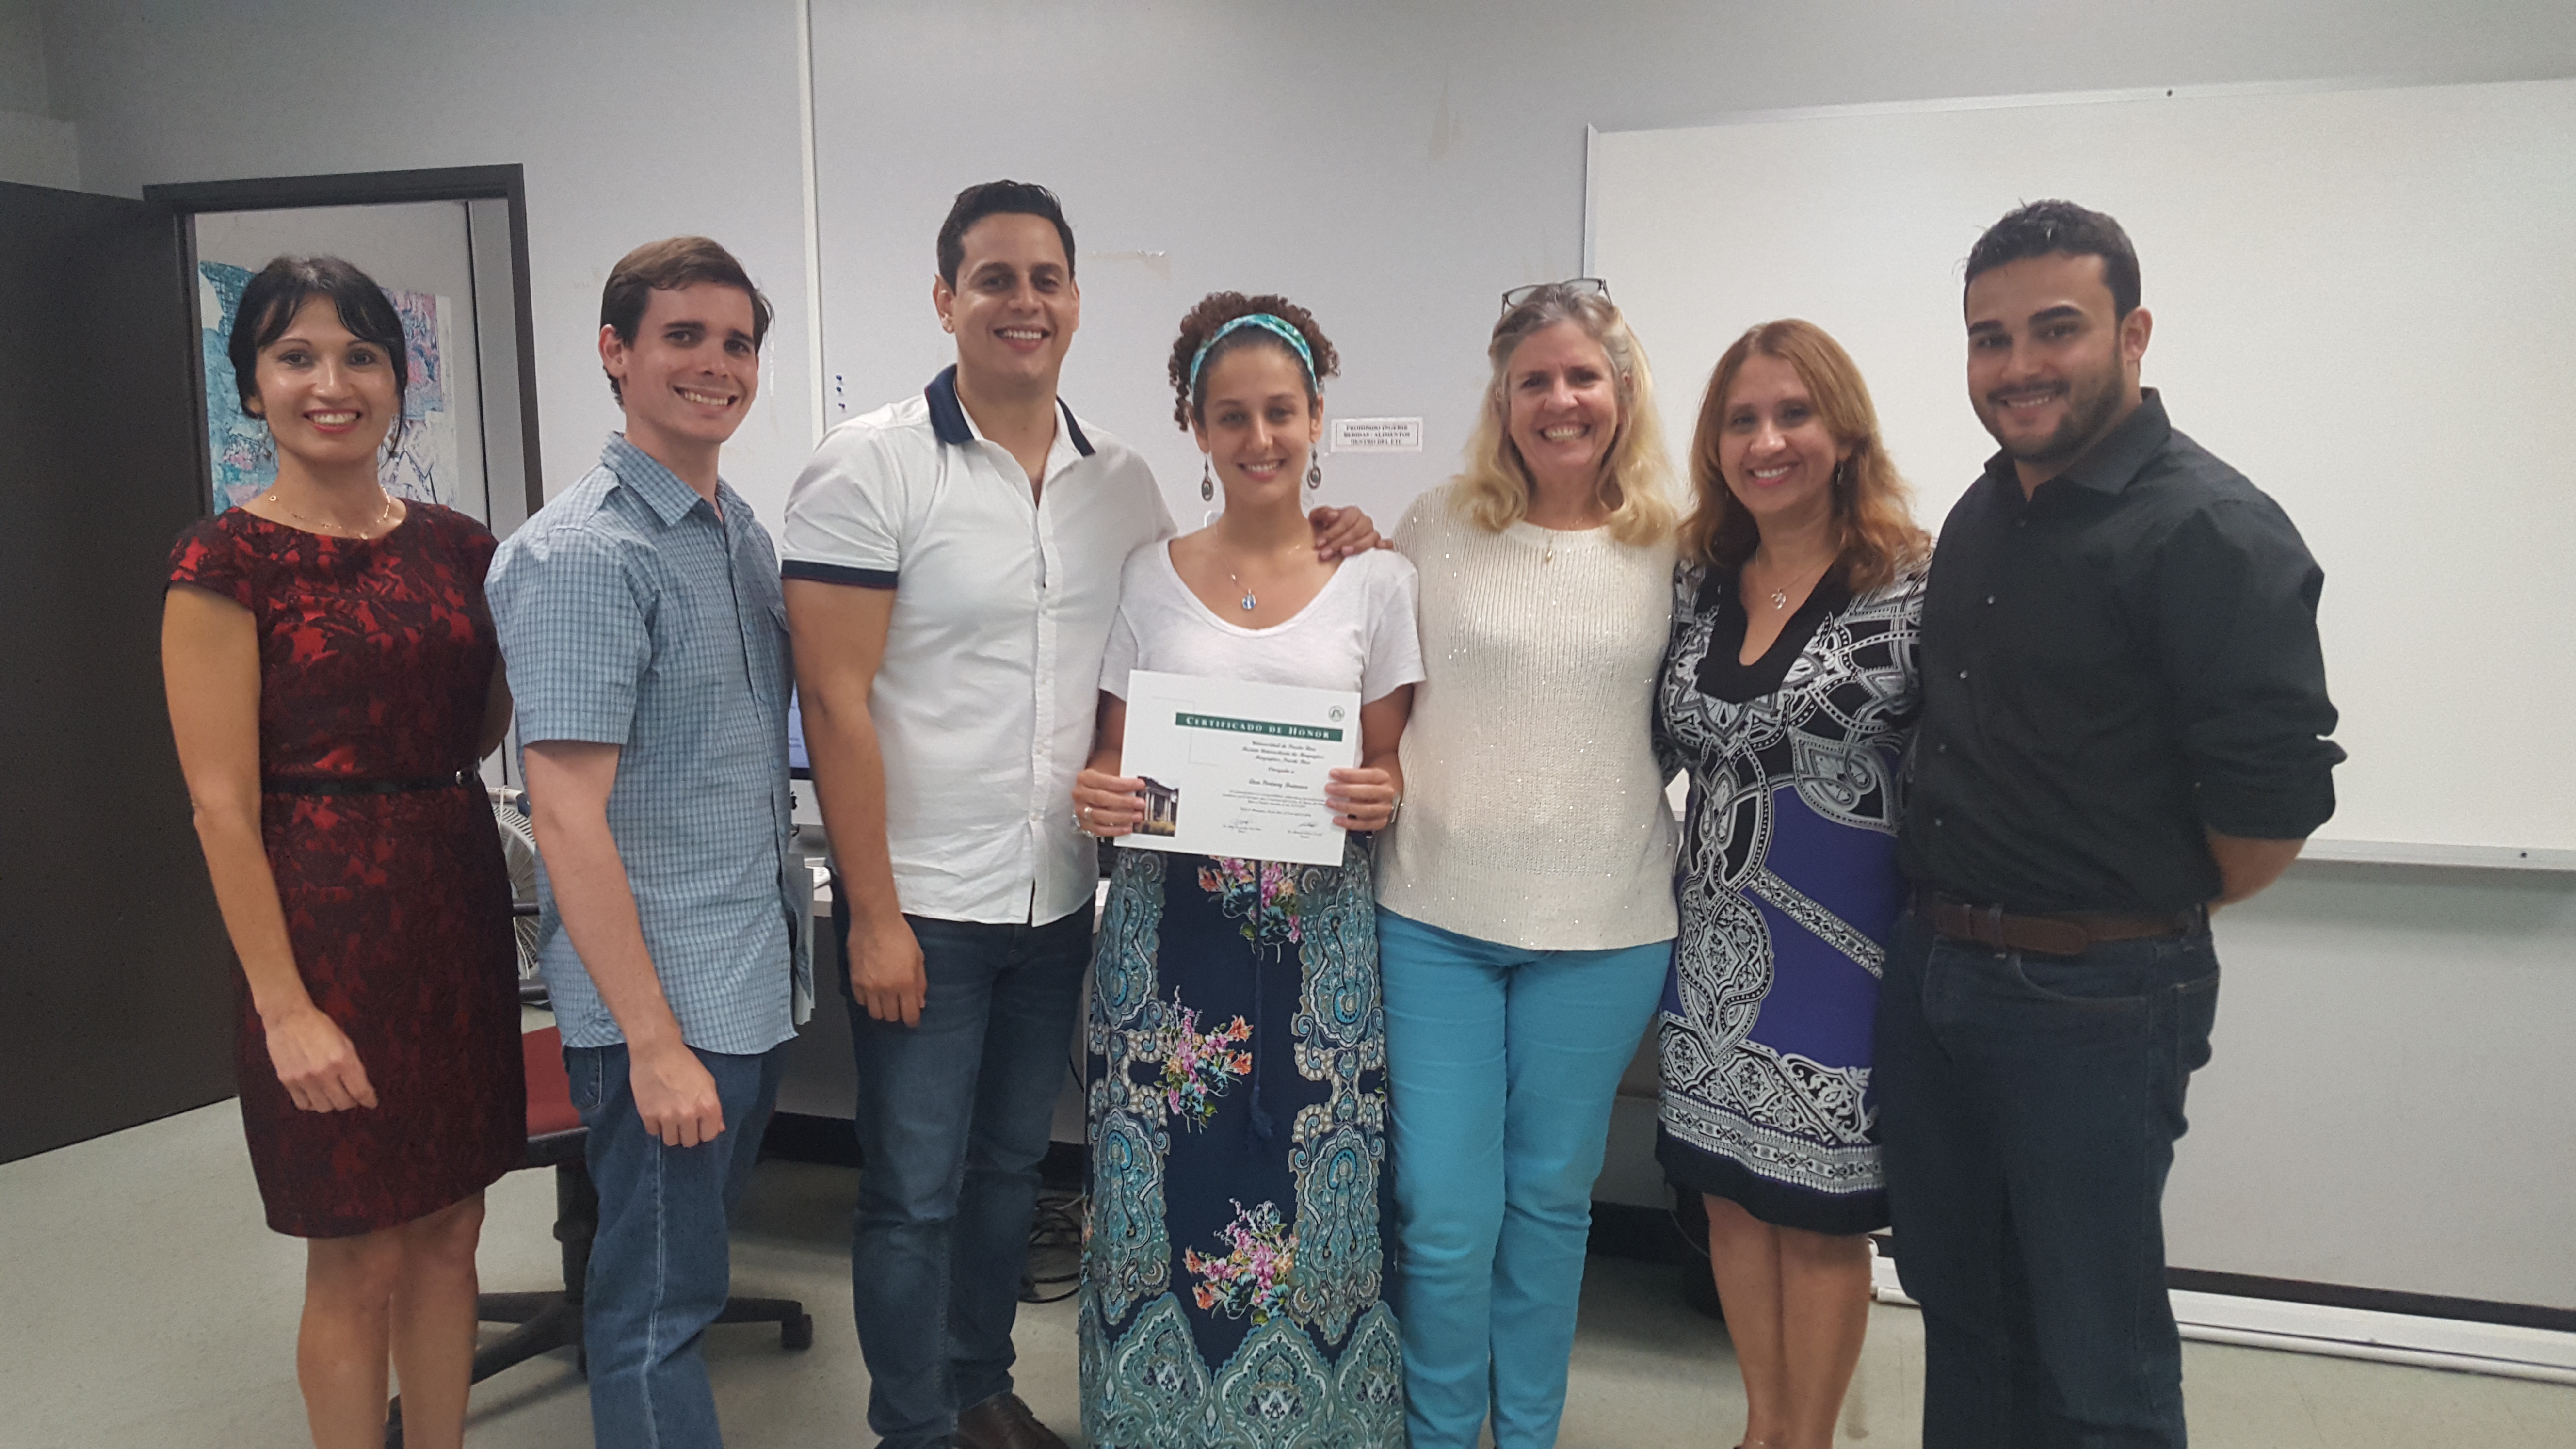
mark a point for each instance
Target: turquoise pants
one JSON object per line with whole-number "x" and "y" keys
{"x": 1501, "y": 1067}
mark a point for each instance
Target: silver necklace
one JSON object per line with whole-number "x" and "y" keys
{"x": 1250, "y": 603}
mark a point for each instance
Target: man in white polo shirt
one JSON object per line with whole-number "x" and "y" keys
{"x": 951, "y": 567}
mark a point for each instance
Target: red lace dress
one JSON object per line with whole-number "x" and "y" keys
{"x": 374, "y": 659}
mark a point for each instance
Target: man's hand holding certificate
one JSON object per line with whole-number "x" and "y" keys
{"x": 1233, "y": 769}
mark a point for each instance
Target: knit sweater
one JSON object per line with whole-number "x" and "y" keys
{"x": 1534, "y": 815}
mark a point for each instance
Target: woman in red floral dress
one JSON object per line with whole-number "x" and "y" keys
{"x": 333, "y": 679}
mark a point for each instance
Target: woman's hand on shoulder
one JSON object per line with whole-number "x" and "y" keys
{"x": 1107, "y": 806}
{"x": 316, "y": 1062}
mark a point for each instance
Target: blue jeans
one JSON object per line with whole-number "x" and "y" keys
{"x": 2029, "y": 1105}
{"x": 952, "y": 1124}
{"x": 1501, "y": 1067}
{"x": 660, "y": 1264}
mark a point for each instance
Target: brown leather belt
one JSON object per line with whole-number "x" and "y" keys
{"x": 2066, "y": 935}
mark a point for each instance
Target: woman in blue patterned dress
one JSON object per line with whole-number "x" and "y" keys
{"x": 1789, "y": 693}
{"x": 1232, "y": 1264}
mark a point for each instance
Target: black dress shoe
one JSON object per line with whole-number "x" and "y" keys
{"x": 1002, "y": 1422}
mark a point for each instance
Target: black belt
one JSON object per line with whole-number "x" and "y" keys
{"x": 2060, "y": 935}
{"x": 279, "y": 785}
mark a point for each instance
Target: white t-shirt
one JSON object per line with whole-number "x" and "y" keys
{"x": 1356, "y": 633}
{"x": 985, "y": 700}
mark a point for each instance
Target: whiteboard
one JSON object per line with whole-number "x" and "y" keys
{"x": 2365, "y": 300}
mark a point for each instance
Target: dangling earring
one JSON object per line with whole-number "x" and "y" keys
{"x": 1207, "y": 485}
{"x": 1314, "y": 470}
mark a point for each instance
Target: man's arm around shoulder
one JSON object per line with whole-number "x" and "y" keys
{"x": 839, "y": 635}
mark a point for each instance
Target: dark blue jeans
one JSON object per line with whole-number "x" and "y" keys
{"x": 2029, "y": 1105}
{"x": 660, "y": 1265}
{"x": 952, "y": 1123}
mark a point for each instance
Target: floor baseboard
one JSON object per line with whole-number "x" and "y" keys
{"x": 2511, "y": 1340}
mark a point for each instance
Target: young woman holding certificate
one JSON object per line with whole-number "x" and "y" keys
{"x": 1238, "y": 1080}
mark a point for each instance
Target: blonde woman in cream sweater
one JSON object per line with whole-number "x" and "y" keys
{"x": 1525, "y": 903}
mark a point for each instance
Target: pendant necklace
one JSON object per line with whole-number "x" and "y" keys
{"x": 1249, "y": 602}
{"x": 1780, "y": 597}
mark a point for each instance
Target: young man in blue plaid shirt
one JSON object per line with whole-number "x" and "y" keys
{"x": 646, "y": 642}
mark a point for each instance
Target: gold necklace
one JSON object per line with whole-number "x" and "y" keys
{"x": 1779, "y": 597}
{"x": 362, "y": 532}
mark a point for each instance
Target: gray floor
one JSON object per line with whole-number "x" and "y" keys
{"x": 142, "y": 1303}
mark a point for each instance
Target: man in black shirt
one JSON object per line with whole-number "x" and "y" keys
{"x": 2124, "y": 712}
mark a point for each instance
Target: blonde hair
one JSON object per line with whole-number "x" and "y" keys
{"x": 1493, "y": 490}
{"x": 1877, "y": 537}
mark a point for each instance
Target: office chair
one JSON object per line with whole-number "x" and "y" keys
{"x": 550, "y": 1320}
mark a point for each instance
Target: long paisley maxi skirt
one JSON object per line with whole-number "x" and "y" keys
{"x": 1232, "y": 1264}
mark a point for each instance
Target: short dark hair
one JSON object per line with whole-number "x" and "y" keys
{"x": 997, "y": 198}
{"x": 270, "y": 300}
{"x": 667, "y": 266}
{"x": 2052, "y": 228}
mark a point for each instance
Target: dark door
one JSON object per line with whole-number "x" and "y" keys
{"x": 115, "y": 974}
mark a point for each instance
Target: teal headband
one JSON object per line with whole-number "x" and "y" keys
{"x": 1296, "y": 340}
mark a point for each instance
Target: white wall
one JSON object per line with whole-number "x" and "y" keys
{"x": 2389, "y": 1104}
{"x": 36, "y": 148}
{"x": 635, "y": 120}
{"x": 23, "y": 85}
{"x": 1396, "y": 166}
{"x": 2385, "y": 1107}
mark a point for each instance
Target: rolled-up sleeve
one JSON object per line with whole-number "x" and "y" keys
{"x": 2237, "y": 601}
{"x": 573, "y": 614}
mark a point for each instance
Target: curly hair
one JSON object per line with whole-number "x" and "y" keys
{"x": 1873, "y": 508}
{"x": 1495, "y": 487}
{"x": 1217, "y": 309}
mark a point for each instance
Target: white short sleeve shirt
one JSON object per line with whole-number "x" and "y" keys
{"x": 1357, "y": 633}
{"x": 985, "y": 700}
